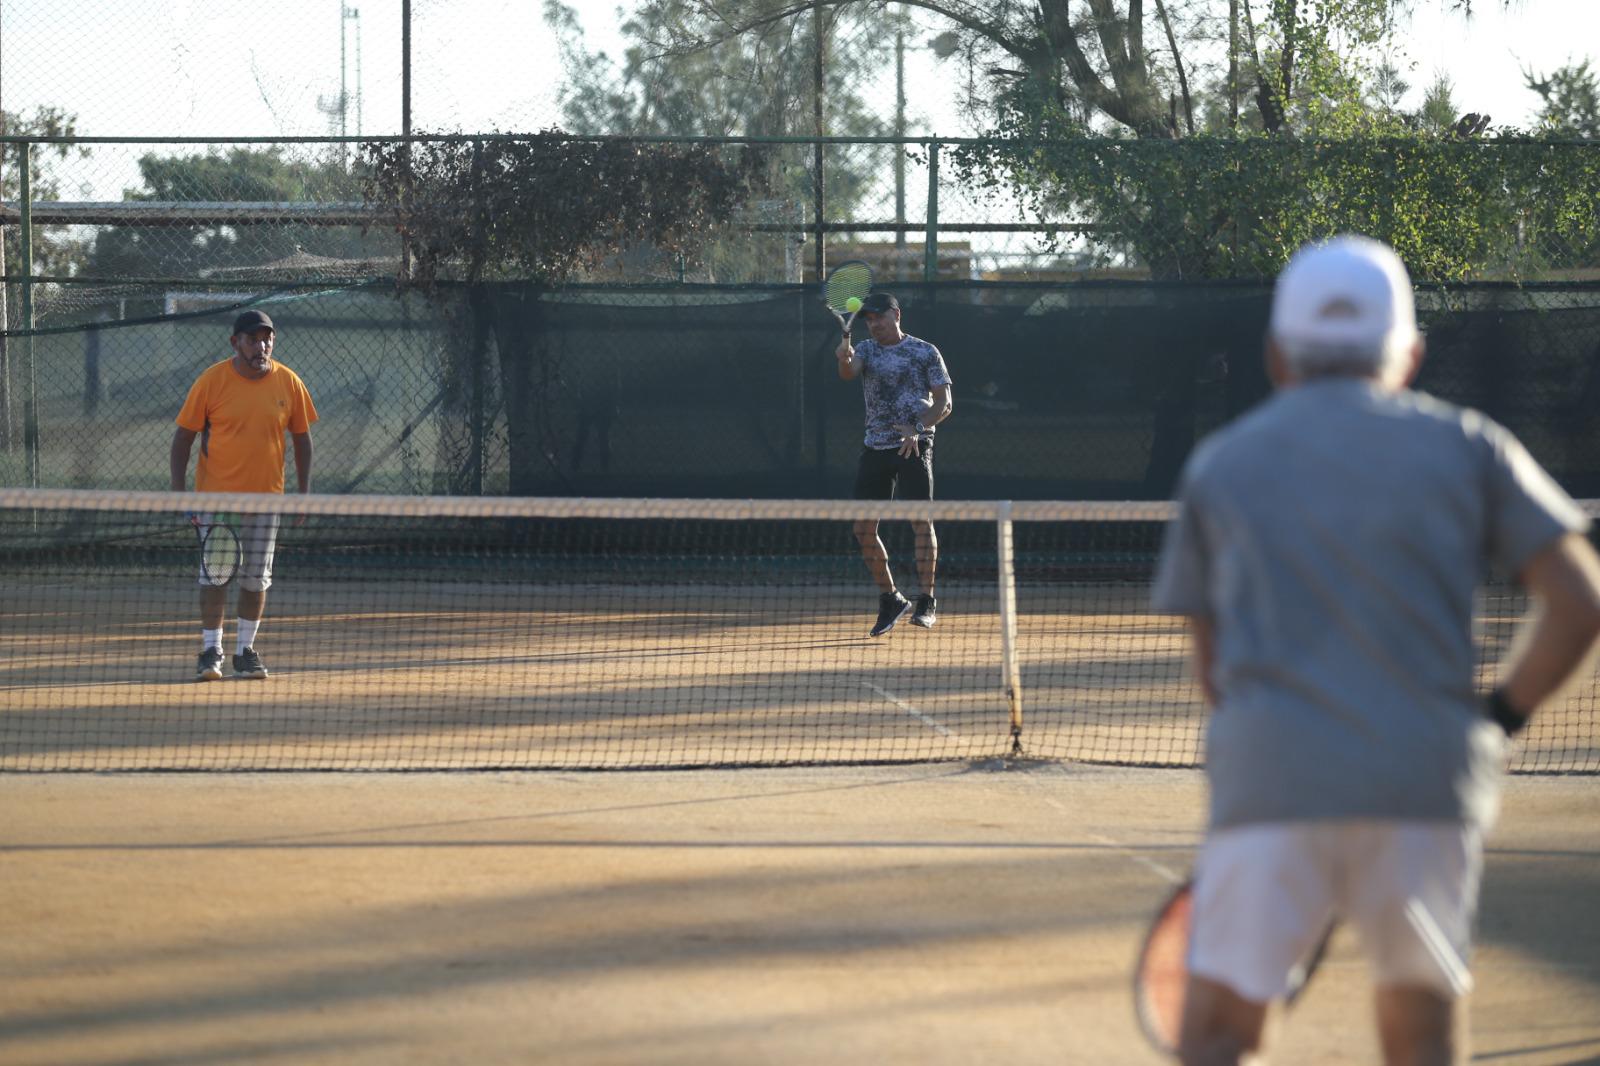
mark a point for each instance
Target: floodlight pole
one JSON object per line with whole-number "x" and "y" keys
{"x": 5, "y": 321}
{"x": 821, "y": 131}
{"x": 30, "y": 398}
{"x": 405, "y": 130}
{"x": 900, "y": 148}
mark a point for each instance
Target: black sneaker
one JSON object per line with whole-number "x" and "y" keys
{"x": 209, "y": 665}
{"x": 248, "y": 664}
{"x": 927, "y": 612}
{"x": 891, "y": 608}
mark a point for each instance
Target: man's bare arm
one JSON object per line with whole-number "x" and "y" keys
{"x": 1203, "y": 637}
{"x": 178, "y": 459}
{"x": 302, "y": 459}
{"x": 1558, "y": 635}
{"x": 849, "y": 365}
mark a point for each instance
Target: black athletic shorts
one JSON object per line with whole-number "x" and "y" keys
{"x": 883, "y": 475}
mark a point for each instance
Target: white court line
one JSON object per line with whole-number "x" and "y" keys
{"x": 1161, "y": 870}
{"x": 912, "y": 711}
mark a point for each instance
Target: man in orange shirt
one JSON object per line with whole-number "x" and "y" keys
{"x": 240, "y": 409}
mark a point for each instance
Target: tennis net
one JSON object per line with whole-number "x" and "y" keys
{"x": 422, "y": 633}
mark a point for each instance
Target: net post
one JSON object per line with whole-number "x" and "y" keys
{"x": 1010, "y": 676}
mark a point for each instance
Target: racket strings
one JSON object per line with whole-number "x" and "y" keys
{"x": 219, "y": 554}
{"x": 1163, "y": 973}
{"x": 848, "y": 280}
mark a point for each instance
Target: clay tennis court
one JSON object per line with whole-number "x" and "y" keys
{"x": 401, "y": 675}
{"x": 393, "y": 674}
{"x": 919, "y": 914}
{"x": 968, "y": 910}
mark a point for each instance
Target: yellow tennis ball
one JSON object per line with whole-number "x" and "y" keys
{"x": 853, "y": 304}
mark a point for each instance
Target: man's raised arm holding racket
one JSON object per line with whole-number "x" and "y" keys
{"x": 239, "y": 410}
{"x": 1327, "y": 551}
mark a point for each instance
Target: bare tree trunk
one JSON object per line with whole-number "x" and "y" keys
{"x": 1177, "y": 61}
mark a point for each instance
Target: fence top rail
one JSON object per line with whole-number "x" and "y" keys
{"x": 925, "y": 139}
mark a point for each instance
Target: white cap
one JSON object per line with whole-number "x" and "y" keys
{"x": 1345, "y": 304}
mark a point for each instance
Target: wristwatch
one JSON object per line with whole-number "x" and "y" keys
{"x": 921, "y": 429}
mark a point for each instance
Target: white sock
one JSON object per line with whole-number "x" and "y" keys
{"x": 247, "y": 634}
{"x": 211, "y": 638}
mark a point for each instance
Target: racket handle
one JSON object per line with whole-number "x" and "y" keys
{"x": 1502, "y": 714}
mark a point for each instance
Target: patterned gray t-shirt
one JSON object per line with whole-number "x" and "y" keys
{"x": 1335, "y": 538}
{"x": 894, "y": 382}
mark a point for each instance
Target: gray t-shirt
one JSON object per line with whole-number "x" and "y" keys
{"x": 1335, "y": 537}
{"x": 894, "y": 381}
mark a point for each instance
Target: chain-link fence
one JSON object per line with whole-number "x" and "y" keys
{"x": 1093, "y": 391}
{"x": 1100, "y": 301}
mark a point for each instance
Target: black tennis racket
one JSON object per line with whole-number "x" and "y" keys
{"x": 219, "y": 550}
{"x": 847, "y": 282}
{"x": 1161, "y": 979}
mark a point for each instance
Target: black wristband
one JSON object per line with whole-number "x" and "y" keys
{"x": 1503, "y": 714}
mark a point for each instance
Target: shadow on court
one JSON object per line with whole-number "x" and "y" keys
{"x": 924, "y": 914}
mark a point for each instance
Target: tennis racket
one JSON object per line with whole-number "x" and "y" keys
{"x": 850, "y": 280}
{"x": 1161, "y": 979}
{"x": 219, "y": 550}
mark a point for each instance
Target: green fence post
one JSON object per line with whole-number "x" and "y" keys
{"x": 30, "y": 400}
{"x": 930, "y": 251}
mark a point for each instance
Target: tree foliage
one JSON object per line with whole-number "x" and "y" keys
{"x": 238, "y": 175}
{"x": 507, "y": 217}
{"x": 680, "y": 74}
{"x": 1220, "y": 207}
{"x": 56, "y": 251}
{"x": 550, "y": 206}
{"x": 1571, "y": 100}
{"x": 1326, "y": 147}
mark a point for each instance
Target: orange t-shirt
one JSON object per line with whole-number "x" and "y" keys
{"x": 241, "y": 422}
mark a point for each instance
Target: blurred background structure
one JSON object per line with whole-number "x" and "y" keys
{"x": 1084, "y": 214}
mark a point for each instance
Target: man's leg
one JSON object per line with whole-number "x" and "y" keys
{"x": 916, "y": 478}
{"x": 927, "y": 612}
{"x": 891, "y": 605}
{"x": 252, "y": 605}
{"x": 875, "y": 479}
{"x": 1220, "y": 1027}
{"x": 260, "y": 544}
{"x": 213, "y": 603}
{"x": 874, "y": 554}
{"x": 1414, "y": 908}
{"x": 927, "y": 554}
{"x": 1419, "y": 1026}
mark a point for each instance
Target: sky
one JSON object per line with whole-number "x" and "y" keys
{"x": 221, "y": 67}
{"x": 1484, "y": 57}
{"x": 236, "y": 67}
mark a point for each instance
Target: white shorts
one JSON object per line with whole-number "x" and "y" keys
{"x": 258, "y": 542}
{"x": 1265, "y": 893}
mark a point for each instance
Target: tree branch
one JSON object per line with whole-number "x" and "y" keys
{"x": 1177, "y": 61}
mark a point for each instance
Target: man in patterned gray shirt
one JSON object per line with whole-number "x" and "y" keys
{"x": 907, "y": 392}
{"x": 1326, "y": 555}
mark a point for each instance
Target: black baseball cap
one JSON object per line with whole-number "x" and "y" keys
{"x": 878, "y": 303}
{"x": 250, "y": 321}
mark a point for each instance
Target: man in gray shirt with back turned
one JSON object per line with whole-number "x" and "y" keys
{"x": 1327, "y": 552}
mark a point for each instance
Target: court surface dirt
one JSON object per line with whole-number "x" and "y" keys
{"x": 938, "y": 914}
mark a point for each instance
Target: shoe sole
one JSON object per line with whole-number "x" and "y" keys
{"x": 882, "y": 628}
{"x": 925, "y": 623}
{"x": 208, "y": 675}
{"x": 259, "y": 676}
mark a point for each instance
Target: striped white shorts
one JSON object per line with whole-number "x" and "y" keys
{"x": 1265, "y": 893}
